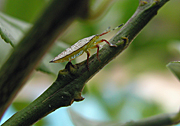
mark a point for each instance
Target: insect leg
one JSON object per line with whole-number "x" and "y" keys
{"x": 88, "y": 55}
{"x": 104, "y": 40}
{"x": 98, "y": 52}
{"x": 96, "y": 46}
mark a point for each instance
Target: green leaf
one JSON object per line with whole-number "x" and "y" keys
{"x": 12, "y": 30}
{"x": 175, "y": 68}
{"x": 175, "y": 46}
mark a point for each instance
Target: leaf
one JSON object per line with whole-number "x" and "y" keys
{"x": 175, "y": 46}
{"x": 12, "y": 30}
{"x": 175, "y": 68}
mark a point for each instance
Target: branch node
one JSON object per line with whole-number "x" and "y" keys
{"x": 156, "y": 2}
{"x": 142, "y": 3}
{"x": 72, "y": 69}
{"x": 78, "y": 97}
{"x": 125, "y": 41}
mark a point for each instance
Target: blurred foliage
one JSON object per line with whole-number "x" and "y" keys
{"x": 150, "y": 51}
{"x": 121, "y": 108}
{"x": 12, "y": 30}
{"x": 123, "y": 104}
{"x": 19, "y": 105}
{"x": 26, "y": 10}
{"x": 175, "y": 68}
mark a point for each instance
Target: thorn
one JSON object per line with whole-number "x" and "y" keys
{"x": 80, "y": 99}
{"x": 68, "y": 65}
{"x": 114, "y": 45}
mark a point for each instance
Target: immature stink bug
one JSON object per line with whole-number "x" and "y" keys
{"x": 83, "y": 45}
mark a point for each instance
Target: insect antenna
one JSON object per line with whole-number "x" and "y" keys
{"x": 108, "y": 30}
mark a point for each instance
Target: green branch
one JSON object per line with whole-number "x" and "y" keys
{"x": 70, "y": 81}
{"x": 157, "y": 120}
{"x": 25, "y": 57}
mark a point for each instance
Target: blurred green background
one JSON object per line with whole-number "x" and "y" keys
{"x": 136, "y": 84}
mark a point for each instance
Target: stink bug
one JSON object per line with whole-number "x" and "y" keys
{"x": 83, "y": 45}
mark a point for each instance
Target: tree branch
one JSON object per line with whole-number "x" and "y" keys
{"x": 24, "y": 58}
{"x": 158, "y": 120}
{"x": 70, "y": 81}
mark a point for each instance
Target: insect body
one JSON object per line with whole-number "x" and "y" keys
{"x": 83, "y": 45}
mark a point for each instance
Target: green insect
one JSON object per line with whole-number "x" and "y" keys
{"x": 83, "y": 45}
